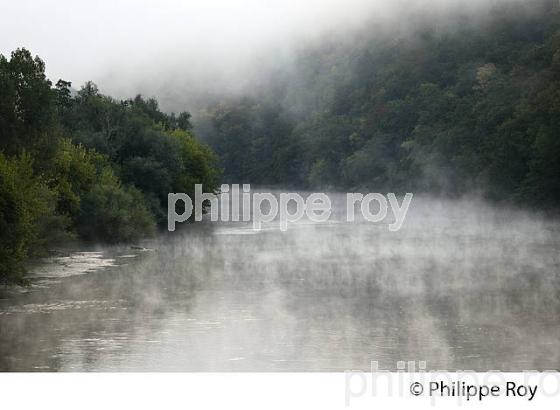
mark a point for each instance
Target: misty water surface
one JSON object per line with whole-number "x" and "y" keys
{"x": 463, "y": 286}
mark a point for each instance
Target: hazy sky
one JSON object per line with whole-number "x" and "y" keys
{"x": 131, "y": 46}
{"x": 83, "y": 40}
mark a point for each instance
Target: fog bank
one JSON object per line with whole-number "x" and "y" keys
{"x": 185, "y": 52}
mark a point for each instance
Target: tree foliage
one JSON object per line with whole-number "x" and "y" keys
{"x": 451, "y": 107}
{"x": 84, "y": 164}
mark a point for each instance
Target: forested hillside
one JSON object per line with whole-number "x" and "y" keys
{"x": 451, "y": 106}
{"x": 85, "y": 165}
{"x": 469, "y": 105}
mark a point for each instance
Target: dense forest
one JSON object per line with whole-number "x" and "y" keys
{"x": 457, "y": 105}
{"x": 83, "y": 165}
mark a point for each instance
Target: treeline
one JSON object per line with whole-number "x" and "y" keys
{"x": 472, "y": 106}
{"x": 81, "y": 164}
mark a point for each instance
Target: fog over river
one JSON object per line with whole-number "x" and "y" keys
{"x": 463, "y": 286}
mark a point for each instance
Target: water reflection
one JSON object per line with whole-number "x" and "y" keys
{"x": 462, "y": 286}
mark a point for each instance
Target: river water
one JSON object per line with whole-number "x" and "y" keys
{"x": 462, "y": 286}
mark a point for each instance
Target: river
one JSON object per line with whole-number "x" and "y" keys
{"x": 464, "y": 285}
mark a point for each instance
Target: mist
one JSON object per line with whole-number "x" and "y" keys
{"x": 463, "y": 285}
{"x": 187, "y": 53}
{"x": 330, "y": 96}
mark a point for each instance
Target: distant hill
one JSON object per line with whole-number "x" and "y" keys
{"x": 469, "y": 105}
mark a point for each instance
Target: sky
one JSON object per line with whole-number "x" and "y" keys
{"x": 171, "y": 47}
